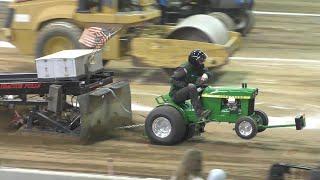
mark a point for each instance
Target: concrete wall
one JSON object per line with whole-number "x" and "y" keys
{"x": 33, "y": 174}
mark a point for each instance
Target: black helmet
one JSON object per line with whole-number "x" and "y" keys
{"x": 197, "y": 58}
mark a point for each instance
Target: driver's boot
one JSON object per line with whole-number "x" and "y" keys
{"x": 196, "y": 103}
{"x": 205, "y": 114}
{"x": 202, "y": 114}
{"x": 202, "y": 126}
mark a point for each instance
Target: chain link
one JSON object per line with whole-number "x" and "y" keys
{"x": 109, "y": 33}
{"x": 131, "y": 126}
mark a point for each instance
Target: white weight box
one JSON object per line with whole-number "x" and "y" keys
{"x": 69, "y": 64}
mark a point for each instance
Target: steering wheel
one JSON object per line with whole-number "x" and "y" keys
{"x": 201, "y": 87}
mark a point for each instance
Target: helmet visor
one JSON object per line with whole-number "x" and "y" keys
{"x": 202, "y": 58}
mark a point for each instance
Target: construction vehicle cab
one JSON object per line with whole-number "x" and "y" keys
{"x": 85, "y": 6}
{"x": 42, "y": 27}
{"x": 171, "y": 123}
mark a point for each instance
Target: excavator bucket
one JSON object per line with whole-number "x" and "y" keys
{"x": 103, "y": 110}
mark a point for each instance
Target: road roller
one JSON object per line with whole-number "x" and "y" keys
{"x": 235, "y": 14}
{"x": 42, "y": 27}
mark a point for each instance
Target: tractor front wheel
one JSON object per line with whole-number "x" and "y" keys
{"x": 165, "y": 126}
{"x": 246, "y": 127}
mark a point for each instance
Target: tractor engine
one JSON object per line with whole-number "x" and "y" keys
{"x": 233, "y": 105}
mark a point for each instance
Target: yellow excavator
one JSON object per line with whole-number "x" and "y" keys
{"x": 42, "y": 27}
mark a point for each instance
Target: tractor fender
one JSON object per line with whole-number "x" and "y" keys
{"x": 51, "y": 13}
{"x": 176, "y": 107}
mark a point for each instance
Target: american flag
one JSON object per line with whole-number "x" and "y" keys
{"x": 95, "y": 37}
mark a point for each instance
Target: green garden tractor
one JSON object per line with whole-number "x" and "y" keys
{"x": 170, "y": 123}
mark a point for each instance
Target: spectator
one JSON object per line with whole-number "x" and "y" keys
{"x": 163, "y": 7}
{"x": 191, "y": 166}
{"x": 315, "y": 173}
{"x": 217, "y": 174}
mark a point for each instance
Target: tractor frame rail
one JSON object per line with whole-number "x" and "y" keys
{"x": 300, "y": 123}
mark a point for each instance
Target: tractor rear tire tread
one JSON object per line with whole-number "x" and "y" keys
{"x": 178, "y": 125}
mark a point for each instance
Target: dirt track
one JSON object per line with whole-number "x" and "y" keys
{"x": 286, "y": 87}
{"x": 300, "y": 6}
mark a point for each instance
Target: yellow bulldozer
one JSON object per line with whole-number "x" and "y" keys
{"x": 42, "y": 27}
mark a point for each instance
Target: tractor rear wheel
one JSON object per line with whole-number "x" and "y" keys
{"x": 246, "y": 127}
{"x": 165, "y": 126}
{"x": 57, "y": 36}
{"x": 262, "y": 119}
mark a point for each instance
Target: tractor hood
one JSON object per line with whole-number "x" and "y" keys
{"x": 226, "y": 92}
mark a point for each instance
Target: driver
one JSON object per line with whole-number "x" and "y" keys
{"x": 185, "y": 79}
{"x": 85, "y": 5}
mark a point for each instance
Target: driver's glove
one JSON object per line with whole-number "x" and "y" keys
{"x": 204, "y": 77}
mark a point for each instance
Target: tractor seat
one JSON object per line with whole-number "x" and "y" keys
{"x": 167, "y": 99}
{"x": 164, "y": 99}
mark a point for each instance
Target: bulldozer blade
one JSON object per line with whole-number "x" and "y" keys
{"x": 103, "y": 110}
